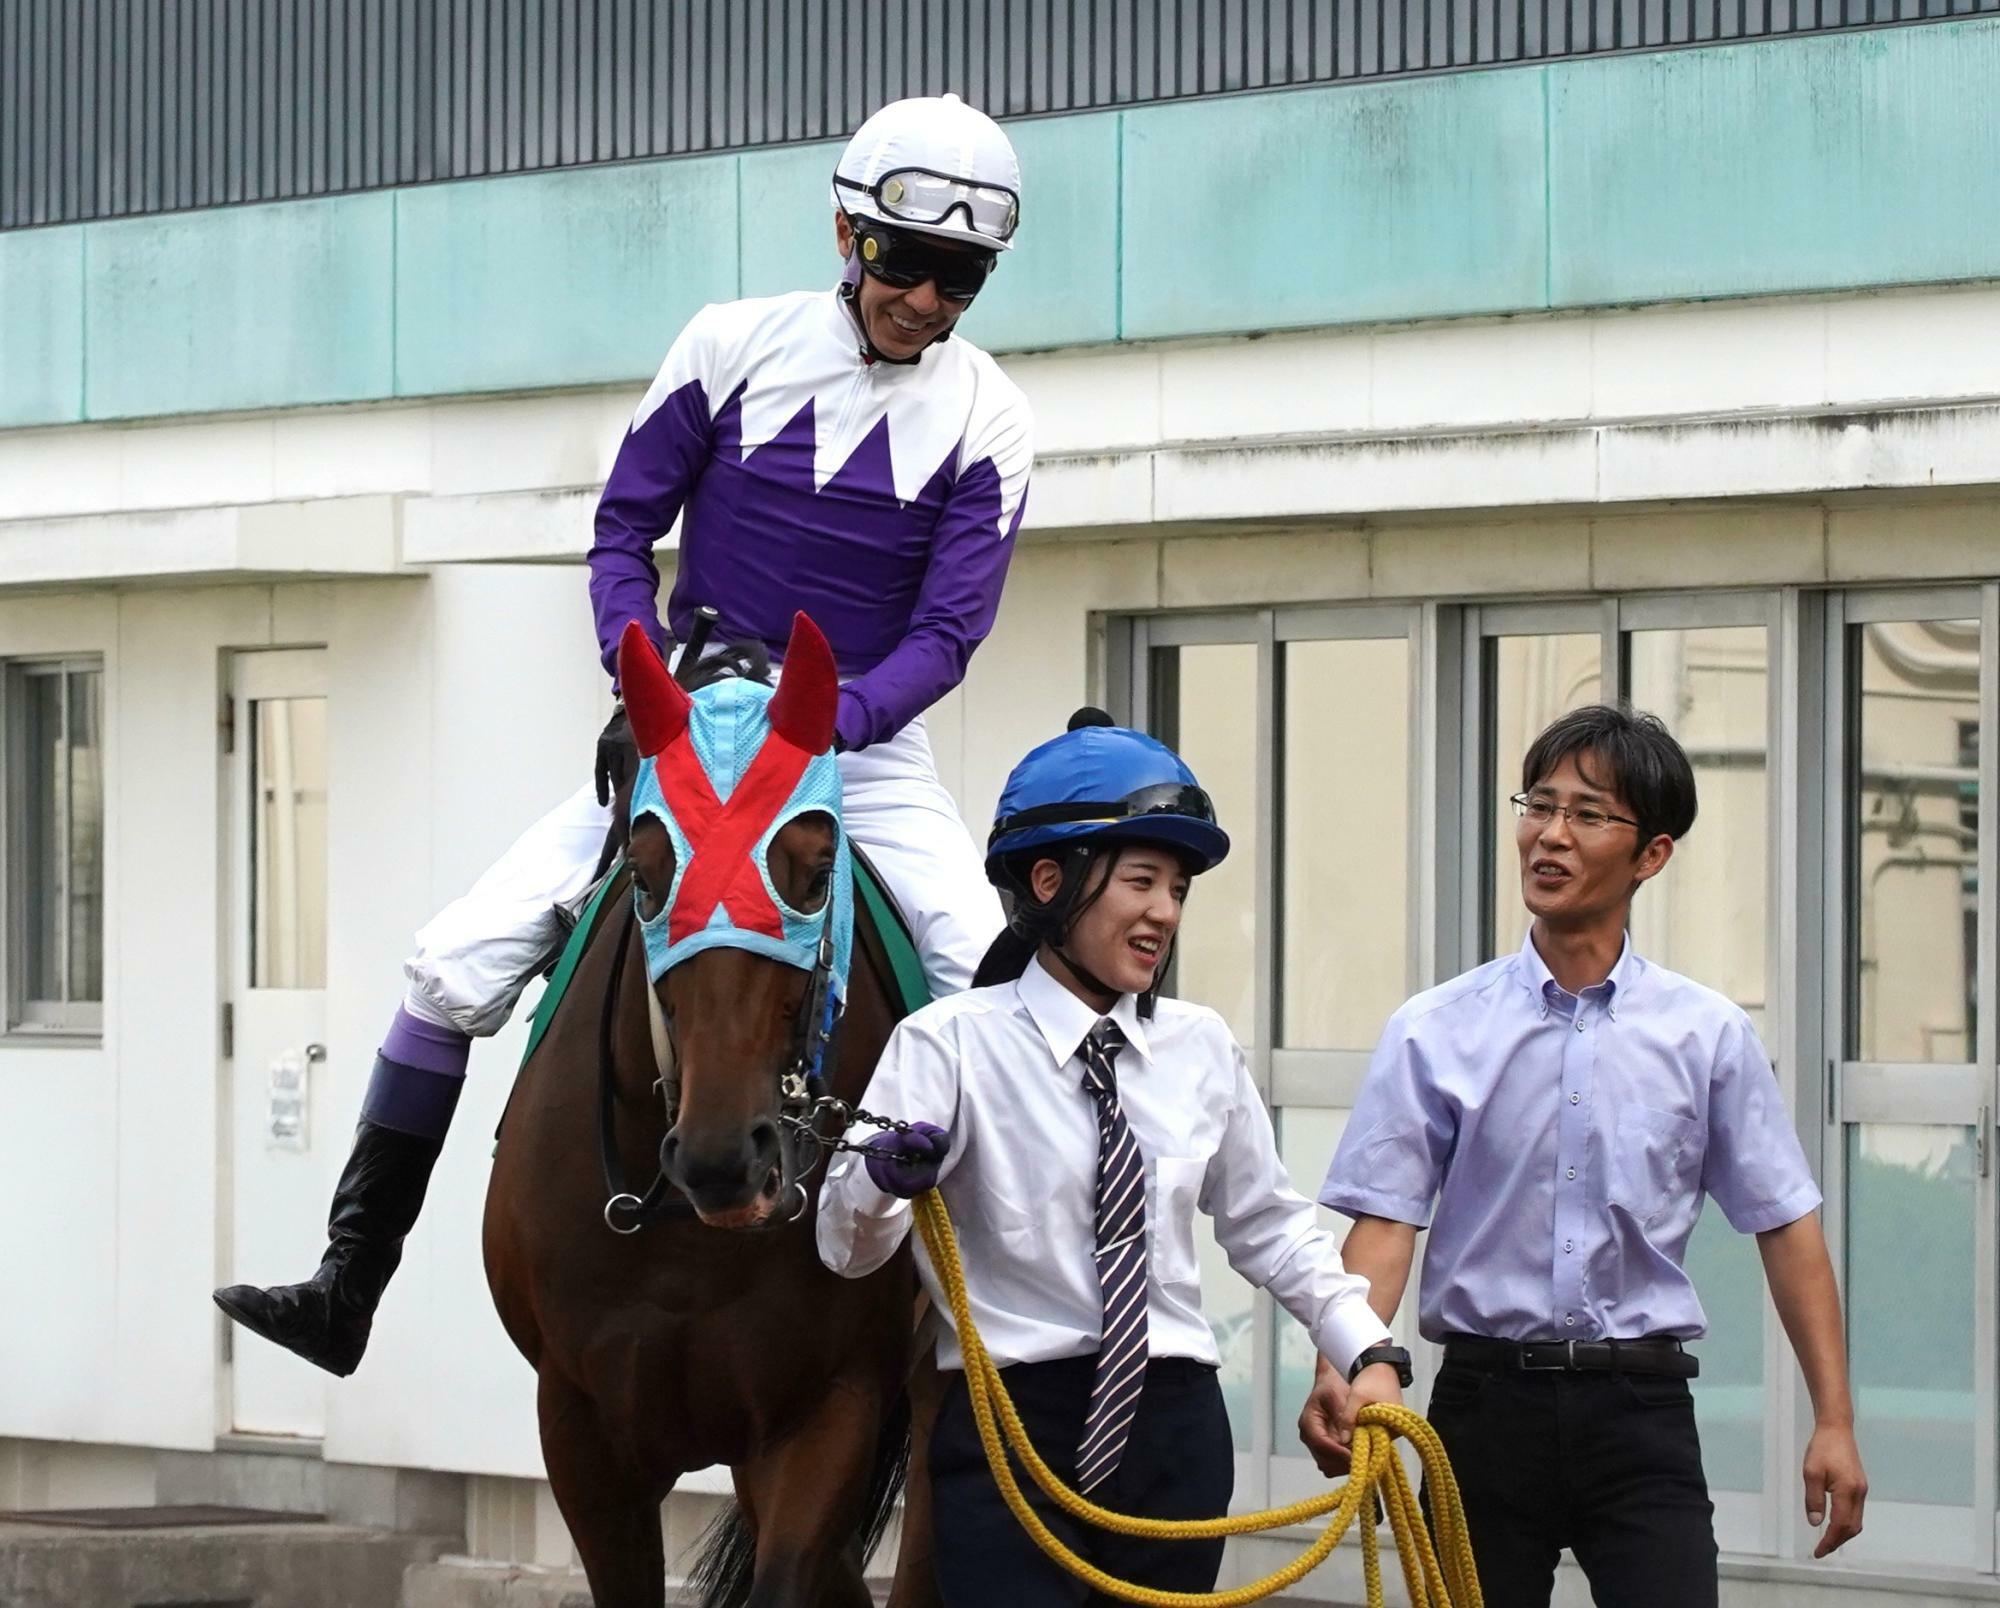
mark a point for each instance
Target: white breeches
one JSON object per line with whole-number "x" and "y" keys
{"x": 479, "y": 953}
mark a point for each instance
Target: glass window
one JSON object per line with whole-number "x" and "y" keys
{"x": 1307, "y": 1139}
{"x": 288, "y": 843}
{"x": 1346, "y": 840}
{"x": 1705, "y": 918}
{"x": 1912, "y": 1196}
{"x": 1914, "y": 857}
{"x": 1206, "y": 698}
{"x": 54, "y": 873}
{"x": 1532, "y": 679}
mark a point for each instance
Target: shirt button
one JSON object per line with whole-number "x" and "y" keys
{"x": 1574, "y": 1098}
{"x": 1569, "y": 1322}
{"x": 1579, "y": 1024}
{"x": 1568, "y": 1246}
{"x": 1570, "y": 1174}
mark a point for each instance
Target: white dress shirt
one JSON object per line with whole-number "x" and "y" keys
{"x": 997, "y": 1067}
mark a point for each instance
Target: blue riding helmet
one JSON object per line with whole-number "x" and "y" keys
{"x": 1100, "y": 781}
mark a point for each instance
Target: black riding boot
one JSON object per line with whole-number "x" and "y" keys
{"x": 326, "y": 1319}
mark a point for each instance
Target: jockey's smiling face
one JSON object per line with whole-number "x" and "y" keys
{"x": 1125, "y": 934}
{"x": 901, "y": 323}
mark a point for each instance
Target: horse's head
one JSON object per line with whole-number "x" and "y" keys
{"x": 745, "y": 897}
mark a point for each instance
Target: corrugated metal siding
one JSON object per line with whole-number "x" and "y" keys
{"x": 115, "y": 107}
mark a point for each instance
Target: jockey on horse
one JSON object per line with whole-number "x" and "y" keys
{"x": 832, "y": 452}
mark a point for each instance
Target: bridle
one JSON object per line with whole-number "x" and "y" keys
{"x": 802, "y": 1101}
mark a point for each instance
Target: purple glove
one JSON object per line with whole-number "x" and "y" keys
{"x": 906, "y": 1164}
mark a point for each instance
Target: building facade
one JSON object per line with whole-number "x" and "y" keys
{"x": 1384, "y": 411}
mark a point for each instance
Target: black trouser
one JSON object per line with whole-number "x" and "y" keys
{"x": 1606, "y": 1464}
{"x": 1178, "y": 1464}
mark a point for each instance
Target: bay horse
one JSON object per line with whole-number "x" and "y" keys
{"x": 705, "y": 1330}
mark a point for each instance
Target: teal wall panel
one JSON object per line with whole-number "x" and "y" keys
{"x": 1271, "y": 211}
{"x": 241, "y": 307}
{"x": 787, "y": 219}
{"x": 41, "y": 326}
{"x": 1788, "y": 165}
{"x": 1059, "y": 285}
{"x": 1804, "y": 164}
{"x": 558, "y": 278}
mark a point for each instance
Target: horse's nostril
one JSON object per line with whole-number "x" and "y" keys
{"x": 669, "y": 1151}
{"x": 764, "y": 1145}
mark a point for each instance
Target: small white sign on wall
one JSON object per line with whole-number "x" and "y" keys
{"x": 289, "y": 1102}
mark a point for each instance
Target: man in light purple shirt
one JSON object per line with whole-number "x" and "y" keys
{"x": 1555, "y": 1118}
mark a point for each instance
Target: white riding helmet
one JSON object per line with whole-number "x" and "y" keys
{"x": 933, "y": 165}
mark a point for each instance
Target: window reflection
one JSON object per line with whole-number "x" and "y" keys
{"x": 59, "y": 840}
{"x": 1705, "y": 918}
{"x": 1532, "y": 680}
{"x": 41, "y": 830}
{"x": 1307, "y": 1139}
{"x": 1346, "y": 840}
{"x": 1911, "y": 1198}
{"x": 288, "y": 848}
{"x": 86, "y": 835}
{"x": 1207, "y": 702}
{"x": 1914, "y": 857}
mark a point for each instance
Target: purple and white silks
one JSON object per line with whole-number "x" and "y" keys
{"x": 882, "y": 499}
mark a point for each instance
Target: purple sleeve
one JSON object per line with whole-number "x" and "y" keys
{"x": 1753, "y": 1167}
{"x": 662, "y": 457}
{"x": 1390, "y": 1162}
{"x": 970, "y": 550}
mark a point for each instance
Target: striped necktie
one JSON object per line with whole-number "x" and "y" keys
{"x": 1121, "y": 1266}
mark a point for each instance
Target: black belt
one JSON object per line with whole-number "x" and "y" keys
{"x": 1658, "y": 1355}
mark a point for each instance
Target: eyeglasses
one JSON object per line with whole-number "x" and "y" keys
{"x": 906, "y": 261}
{"x": 1533, "y": 807}
{"x": 919, "y": 195}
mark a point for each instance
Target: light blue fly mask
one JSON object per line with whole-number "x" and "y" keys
{"x": 724, "y": 771}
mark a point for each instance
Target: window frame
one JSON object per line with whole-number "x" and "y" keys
{"x": 24, "y": 1018}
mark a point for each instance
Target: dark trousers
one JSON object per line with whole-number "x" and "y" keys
{"x": 1607, "y": 1465}
{"x": 1178, "y": 1464}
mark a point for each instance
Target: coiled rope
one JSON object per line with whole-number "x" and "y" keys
{"x": 1450, "y": 1582}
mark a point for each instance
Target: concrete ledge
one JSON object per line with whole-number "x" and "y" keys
{"x": 301, "y": 1566}
{"x": 405, "y": 1500}
{"x": 334, "y": 537}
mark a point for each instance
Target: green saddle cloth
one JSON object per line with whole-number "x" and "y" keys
{"x": 905, "y": 966}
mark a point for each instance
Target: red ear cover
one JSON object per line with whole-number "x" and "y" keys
{"x": 655, "y": 703}
{"x": 808, "y": 694}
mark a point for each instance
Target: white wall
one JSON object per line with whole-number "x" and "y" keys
{"x": 465, "y": 701}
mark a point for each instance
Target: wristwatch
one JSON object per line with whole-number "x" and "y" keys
{"x": 1395, "y": 1356}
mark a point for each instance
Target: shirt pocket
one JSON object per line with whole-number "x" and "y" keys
{"x": 1647, "y": 1148}
{"x": 1173, "y": 1196}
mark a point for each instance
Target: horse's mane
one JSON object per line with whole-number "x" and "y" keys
{"x": 740, "y": 661}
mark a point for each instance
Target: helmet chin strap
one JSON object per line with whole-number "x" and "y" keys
{"x": 1083, "y": 974}
{"x": 849, "y": 292}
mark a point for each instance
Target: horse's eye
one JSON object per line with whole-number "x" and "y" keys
{"x": 817, "y": 889}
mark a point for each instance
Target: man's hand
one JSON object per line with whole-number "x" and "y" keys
{"x": 1833, "y": 1469}
{"x": 1375, "y": 1383}
{"x": 1320, "y": 1419}
{"x": 617, "y": 755}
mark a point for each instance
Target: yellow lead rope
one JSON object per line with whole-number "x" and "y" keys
{"x": 1452, "y": 1583}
